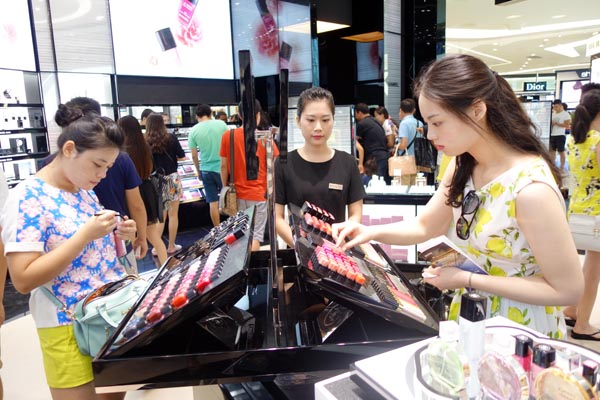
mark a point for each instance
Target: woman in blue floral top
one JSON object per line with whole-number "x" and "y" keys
{"x": 56, "y": 235}
{"x": 499, "y": 200}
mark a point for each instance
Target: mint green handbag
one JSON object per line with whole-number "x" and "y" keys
{"x": 97, "y": 316}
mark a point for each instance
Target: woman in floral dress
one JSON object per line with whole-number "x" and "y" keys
{"x": 498, "y": 200}
{"x": 57, "y": 235}
{"x": 583, "y": 153}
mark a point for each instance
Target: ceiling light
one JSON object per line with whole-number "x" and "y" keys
{"x": 494, "y": 49}
{"x": 501, "y": 61}
{"x": 541, "y": 45}
{"x": 513, "y": 16}
{"x": 460, "y": 33}
{"x": 555, "y": 67}
{"x": 558, "y": 16}
{"x": 495, "y": 43}
{"x": 545, "y": 40}
{"x": 365, "y": 37}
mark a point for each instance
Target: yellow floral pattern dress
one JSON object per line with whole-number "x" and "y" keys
{"x": 583, "y": 163}
{"x": 497, "y": 244}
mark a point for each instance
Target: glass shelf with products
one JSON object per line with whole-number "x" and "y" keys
{"x": 23, "y": 130}
{"x": 193, "y": 189}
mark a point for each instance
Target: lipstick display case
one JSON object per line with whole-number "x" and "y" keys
{"x": 249, "y": 322}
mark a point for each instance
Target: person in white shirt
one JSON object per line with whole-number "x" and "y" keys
{"x": 561, "y": 121}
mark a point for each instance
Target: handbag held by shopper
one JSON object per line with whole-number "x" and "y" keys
{"x": 228, "y": 195}
{"x": 97, "y": 316}
{"x": 586, "y": 231}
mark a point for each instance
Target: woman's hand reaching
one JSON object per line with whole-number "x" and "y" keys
{"x": 446, "y": 278}
{"x": 357, "y": 233}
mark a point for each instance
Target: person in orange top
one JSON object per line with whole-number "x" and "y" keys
{"x": 249, "y": 192}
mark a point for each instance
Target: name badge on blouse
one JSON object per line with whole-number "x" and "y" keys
{"x": 336, "y": 186}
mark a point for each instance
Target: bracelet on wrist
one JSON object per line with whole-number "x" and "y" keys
{"x": 469, "y": 285}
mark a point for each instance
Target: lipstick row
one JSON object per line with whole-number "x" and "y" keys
{"x": 180, "y": 288}
{"x": 336, "y": 264}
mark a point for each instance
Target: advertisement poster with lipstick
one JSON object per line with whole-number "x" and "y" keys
{"x": 277, "y": 33}
{"x": 172, "y": 38}
{"x": 16, "y": 44}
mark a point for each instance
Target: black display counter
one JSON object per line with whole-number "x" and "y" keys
{"x": 252, "y": 322}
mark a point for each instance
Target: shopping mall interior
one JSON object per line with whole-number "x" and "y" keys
{"x": 132, "y": 55}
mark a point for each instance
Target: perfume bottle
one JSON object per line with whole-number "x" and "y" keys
{"x": 186, "y": 12}
{"x": 472, "y": 335}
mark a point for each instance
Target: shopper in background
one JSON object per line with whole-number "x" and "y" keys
{"x": 3, "y": 196}
{"x": 371, "y": 136}
{"x": 119, "y": 192}
{"x": 57, "y": 235}
{"x": 315, "y": 172}
{"x": 583, "y": 152}
{"x": 490, "y": 206}
{"x": 166, "y": 151}
{"x": 221, "y": 115}
{"x": 139, "y": 151}
{"x": 407, "y": 132}
{"x": 561, "y": 121}
{"x": 249, "y": 192}
{"x": 205, "y": 137}
{"x": 145, "y": 115}
{"x": 391, "y": 131}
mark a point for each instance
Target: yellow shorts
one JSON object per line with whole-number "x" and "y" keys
{"x": 64, "y": 364}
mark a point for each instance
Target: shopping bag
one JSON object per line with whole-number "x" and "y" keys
{"x": 402, "y": 165}
{"x": 425, "y": 154}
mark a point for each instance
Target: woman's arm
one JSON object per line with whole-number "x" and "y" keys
{"x": 282, "y": 227}
{"x": 136, "y": 207}
{"x": 432, "y": 221}
{"x": 29, "y": 270}
{"x": 355, "y": 211}
{"x": 545, "y": 226}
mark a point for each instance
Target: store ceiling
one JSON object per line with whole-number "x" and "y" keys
{"x": 507, "y": 36}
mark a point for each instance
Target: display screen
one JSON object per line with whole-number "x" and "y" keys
{"x": 172, "y": 38}
{"x": 540, "y": 113}
{"x": 570, "y": 92}
{"x": 341, "y": 137}
{"x": 16, "y": 43}
{"x": 277, "y": 35}
{"x": 369, "y": 58}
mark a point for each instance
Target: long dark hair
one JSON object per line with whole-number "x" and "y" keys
{"x": 156, "y": 133}
{"x": 88, "y": 131}
{"x": 585, "y": 112}
{"x": 456, "y": 82}
{"x": 136, "y": 145}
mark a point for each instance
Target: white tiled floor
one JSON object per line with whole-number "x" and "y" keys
{"x": 23, "y": 374}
